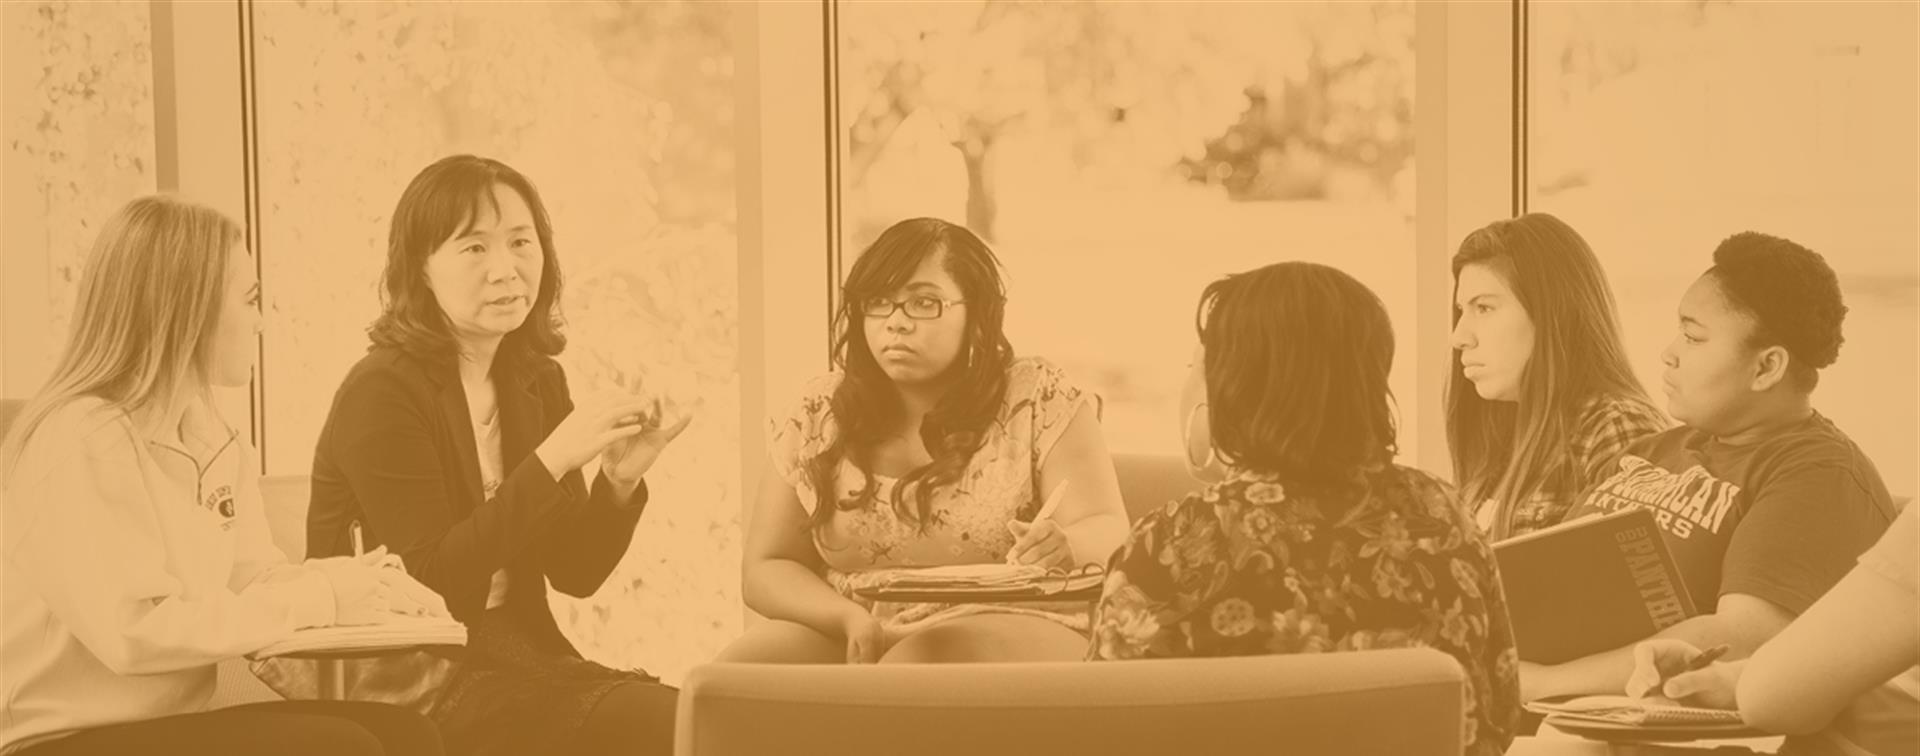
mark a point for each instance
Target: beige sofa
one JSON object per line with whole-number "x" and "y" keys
{"x": 1149, "y": 481}
{"x": 1404, "y": 702}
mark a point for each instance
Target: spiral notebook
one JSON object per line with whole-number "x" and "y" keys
{"x": 425, "y": 631}
{"x": 980, "y": 582}
{"x": 1642, "y": 712}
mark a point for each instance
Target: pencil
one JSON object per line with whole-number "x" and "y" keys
{"x": 1697, "y": 663}
{"x": 1707, "y": 657}
{"x": 1046, "y": 509}
{"x": 1053, "y": 501}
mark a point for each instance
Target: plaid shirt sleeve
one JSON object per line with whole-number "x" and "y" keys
{"x": 1605, "y": 432}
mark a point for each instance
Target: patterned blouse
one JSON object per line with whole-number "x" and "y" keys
{"x": 1607, "y": 426}
{"x": 1247, "y": 567}
{"x": 970, "y": 516}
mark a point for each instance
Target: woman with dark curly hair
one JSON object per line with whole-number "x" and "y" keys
{"x": 1764, "y": 503}
{"x": 931, "y": 445}
{"x": 1314, "y": 541}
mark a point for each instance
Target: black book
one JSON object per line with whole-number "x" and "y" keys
{"x": 1590, "y": 585}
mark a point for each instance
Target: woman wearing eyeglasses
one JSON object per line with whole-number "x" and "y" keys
{"x": 933, "y": 446}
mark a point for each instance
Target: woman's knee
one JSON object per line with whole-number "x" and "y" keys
{"x": 399, "y": 730}
{"x": 633, "y": 719}
{"x": 352, "y": 727}
{"x": 334, "y": 736}
{"x": 989, "y": 638}
{"x": 783, "y": 642}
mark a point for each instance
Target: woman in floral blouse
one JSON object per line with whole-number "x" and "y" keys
{"x": 931, "y": 445}
{"x": 1314, "y": 541}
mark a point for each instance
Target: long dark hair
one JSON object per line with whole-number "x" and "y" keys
{"x": 443, "y": 201}
{"x": 865, "y": 404}
{"x": 1507, "y": 451}
{"x": 1297, "y": 359}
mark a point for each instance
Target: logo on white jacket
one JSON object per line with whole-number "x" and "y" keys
{"x": 220, "y": 501}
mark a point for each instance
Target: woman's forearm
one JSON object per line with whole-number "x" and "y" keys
{"x": 787, "y": 590}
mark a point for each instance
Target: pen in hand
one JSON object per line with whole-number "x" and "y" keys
{"x": 1698, "y": 662}
{"x": 1046, "y": 510}
{"x": 380, "y": 559}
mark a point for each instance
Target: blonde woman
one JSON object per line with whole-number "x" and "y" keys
{"x": 136, "y": 556}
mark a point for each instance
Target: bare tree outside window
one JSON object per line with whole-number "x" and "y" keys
{"x": 1120, "y": 155}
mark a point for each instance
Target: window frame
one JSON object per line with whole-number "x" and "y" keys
{"x": 1471, "y": 137}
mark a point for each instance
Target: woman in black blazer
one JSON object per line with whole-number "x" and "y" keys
{"x": 456, "y": 444}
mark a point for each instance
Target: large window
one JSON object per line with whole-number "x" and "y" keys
{"x": 79, "y": 142}
{"x": 1658, "y": 129}
{"x": 1120, "y": 156}
{"x": 622, "y": 116}
{"x": 1117, "y": 155}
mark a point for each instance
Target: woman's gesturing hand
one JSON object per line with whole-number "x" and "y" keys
{"x": 590, "y": 430}
{"x": 625, "y": 460}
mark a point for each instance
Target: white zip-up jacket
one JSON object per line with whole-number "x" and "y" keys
{"x": 129, "y": 567}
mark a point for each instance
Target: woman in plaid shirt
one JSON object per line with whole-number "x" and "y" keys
{"x": 1542, "y": 399}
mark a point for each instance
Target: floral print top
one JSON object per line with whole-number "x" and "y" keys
{"x": 1250, "y": 566}
{"x": 860, "y": 546}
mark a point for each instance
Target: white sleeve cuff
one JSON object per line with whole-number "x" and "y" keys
{"x": 310, "y": 600}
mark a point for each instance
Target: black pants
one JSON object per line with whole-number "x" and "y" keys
{"x": 633, "y": 719}
{"x": 523, "y": 691}
{"x": 292, "y": 728}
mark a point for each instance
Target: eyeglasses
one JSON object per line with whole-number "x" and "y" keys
{"x": 921, "y": 307}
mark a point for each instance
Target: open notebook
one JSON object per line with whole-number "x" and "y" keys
{"x": 976, "y": 581}
{"x": 399, "y": 633}
{"x": 1643, "y": 712}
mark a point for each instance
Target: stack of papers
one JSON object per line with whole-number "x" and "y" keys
{"x": 1621, "y": 710}
{"x": 985, "y": 579}
{"x": 435, "y": 631}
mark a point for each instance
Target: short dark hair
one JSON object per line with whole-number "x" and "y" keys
{"x": 1792, "y": 296}
{"x": 1297, "y": 359}
{"x": 440, "y": 202}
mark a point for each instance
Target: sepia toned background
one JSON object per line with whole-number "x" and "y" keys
{"x": 712, "y": 168}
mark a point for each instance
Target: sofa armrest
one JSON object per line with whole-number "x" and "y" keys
{"x": 1398, "y": 702}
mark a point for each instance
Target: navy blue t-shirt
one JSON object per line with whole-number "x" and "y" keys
{"x": 1781, "y": 519}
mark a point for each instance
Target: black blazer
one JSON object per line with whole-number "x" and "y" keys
{"x": 397, "y": 453}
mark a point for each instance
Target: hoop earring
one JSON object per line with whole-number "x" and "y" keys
{"x": 1186, "y": 440}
